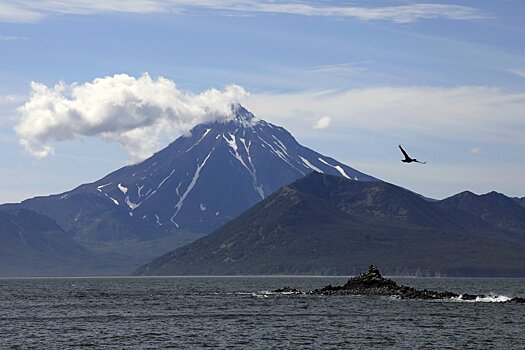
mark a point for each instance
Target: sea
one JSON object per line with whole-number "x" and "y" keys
{"x": 244, "y": 313}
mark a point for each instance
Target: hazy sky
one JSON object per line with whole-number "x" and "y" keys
{"x": 89, "y": 86}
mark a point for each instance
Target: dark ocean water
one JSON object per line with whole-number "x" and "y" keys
{"x": 239, "y": 313}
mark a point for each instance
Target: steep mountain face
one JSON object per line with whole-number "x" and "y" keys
{"x": 324, "y": 224}
{"x": 89, "y": 217}
{"x": 381, "y": 201}
{"x": 493, "y": 208}
{"x": 25, "y": 227}
{"x": 34, "y": 245}
{"x": 196, "y": 184}
{"x": 520, "y": 201}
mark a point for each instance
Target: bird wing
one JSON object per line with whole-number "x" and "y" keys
{"x": 404, "y": 153}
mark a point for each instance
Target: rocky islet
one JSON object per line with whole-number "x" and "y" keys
{"x": 373, "y": 284}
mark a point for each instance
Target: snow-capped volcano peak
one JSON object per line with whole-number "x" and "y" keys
{"x": 200, "y": 181}
{"x": 243, "y": 117}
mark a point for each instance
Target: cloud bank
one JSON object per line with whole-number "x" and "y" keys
{"x": 139, "y": 114}
{"x": 471, "y": 136}
{"x": 33, "y": 10}
{"x": 473, "y": 113}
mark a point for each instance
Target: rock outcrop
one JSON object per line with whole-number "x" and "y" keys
{"x": 288, "y": 290}
{"x": 372, "y": 283}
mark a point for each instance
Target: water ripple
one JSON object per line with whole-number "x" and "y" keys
{"x": 242, "y": 313}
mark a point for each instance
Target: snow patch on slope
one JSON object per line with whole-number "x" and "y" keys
{"x": 122, "y": 188}
{"x": 180, "y": 203}
{"x": 283, "y": 147}
{"x": 166, "y": 178}
{"x": 130, "y": 204}
{"x": 233, "y": 145}
{"x": 202, "y": 137}
{"x": 113, "y": 199}
{"x": 336, "y": 167}
{"x": 99, "y": 188}
{"x": 257, "y": 187}
{"x": 139, "y": 189}
{"x": 310, "y": 165}
{"x": 158, "y": 220}
{"x": 280, "y": 155}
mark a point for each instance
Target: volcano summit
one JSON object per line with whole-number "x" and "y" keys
{"x": 191, "y": 187}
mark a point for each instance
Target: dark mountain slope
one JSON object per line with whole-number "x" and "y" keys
{"x": 494, "y": 209}
{"x": 34, "y": 245}
{"x": 520, "y": 201}
{"x": 88, "y": 217}
{"x": 327, "y": 225}
{"x": 380, "y": 200}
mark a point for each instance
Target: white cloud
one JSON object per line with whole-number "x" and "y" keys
{"x": 18, "y": 12}
{"x": 397, "y": 14}
{"x": 9, "y": 98}
{"x": 323, "y": 123}
{"x": 12, "y": 38}
{"x": 35, "y": 10}
{"x": 137, "y": 113}
{"x": 8, "y": 104}
{"x": 519, "y": 72}
{"x": 341, "y": 68}
{"x": 473, "y": 113}
{"x": 476, "y": 151}
{"x": 31, "y": 11}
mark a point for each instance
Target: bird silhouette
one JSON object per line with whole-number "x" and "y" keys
{"x": 407, "y": 157}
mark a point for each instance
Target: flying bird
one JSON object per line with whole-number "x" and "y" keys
{"x": 407, "y": 157}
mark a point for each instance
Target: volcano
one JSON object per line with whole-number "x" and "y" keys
{"x": 194, "y": 185}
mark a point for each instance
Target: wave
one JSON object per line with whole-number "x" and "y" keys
{"x": 483, "y": 298}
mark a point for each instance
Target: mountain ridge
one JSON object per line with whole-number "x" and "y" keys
{"x": 305, "y": 228}
{"x": 34, "y": 245}
{"x": 493, "y": 208}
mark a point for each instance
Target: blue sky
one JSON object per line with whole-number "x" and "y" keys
{"x": 444, "y": 78}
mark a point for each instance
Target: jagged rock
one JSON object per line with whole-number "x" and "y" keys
{"x": 471, "y": 296}
{"x": 370, "y": 279}
{"x": 287, "y": 290}
{"x": 516, "y": 300}
{"x": 372, "y": 283}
